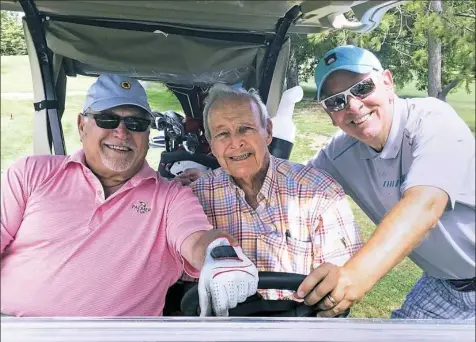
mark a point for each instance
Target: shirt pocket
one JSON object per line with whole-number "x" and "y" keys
{"x": 279, "y": 253}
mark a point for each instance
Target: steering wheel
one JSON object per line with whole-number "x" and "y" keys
{"x": 256, "y": 305}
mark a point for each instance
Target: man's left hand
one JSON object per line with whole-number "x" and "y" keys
{"x": 227, "y": 278}
{"x": 188, "y": 176}
{"x": 333, "y": 288}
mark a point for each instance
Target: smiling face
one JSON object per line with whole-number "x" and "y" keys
{"x": 239, "y": 140}
{"x": 369, "y": 119}
{"x": 114, "y": 153}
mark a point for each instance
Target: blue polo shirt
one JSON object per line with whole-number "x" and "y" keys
{"x": 428, "y": 145}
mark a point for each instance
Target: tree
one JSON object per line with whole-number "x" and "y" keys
{"x": 434, "y": 54}
{"x": 292, "y": 72}
{"x": 401, "y": 42}
{"x": 450, "y": 28}
{"x": 12, "y": 36}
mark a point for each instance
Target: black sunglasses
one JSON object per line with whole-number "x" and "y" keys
{"x": 338, "y": 102}
{"x": 109, "y": 120}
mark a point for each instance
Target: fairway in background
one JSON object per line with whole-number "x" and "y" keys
{"x": 16, "y": 77}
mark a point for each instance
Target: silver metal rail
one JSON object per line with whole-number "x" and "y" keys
{"x": 191, "y": 329}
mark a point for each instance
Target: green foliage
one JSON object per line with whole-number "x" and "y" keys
{"x": 401, "y": 43}
{"x": 12, "y": 36}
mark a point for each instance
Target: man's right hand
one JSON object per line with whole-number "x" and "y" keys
{"x": 188, "y": 176}
{"x": 333, "y": 288}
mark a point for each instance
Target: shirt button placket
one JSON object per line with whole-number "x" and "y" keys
{"x": 93, "y": 222}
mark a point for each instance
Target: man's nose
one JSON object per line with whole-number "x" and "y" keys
{"x": 121, "y": 131}
{"x": 237, "y": 141}
{"x": 354, "y": 104}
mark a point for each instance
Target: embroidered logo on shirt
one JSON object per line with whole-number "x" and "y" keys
{"x": 394, "y": 183}
{"x": 141, "y": 207}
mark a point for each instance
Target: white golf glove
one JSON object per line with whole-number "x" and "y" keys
{"x": 227, "y": 278}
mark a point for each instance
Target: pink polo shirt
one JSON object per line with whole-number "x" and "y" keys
{"x": 68, "y": 251}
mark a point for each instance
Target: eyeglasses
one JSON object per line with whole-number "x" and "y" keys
{"x": 108, "y": 120}
{"x": 338, "y": 102}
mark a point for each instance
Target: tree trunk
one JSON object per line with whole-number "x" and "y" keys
{"x": 292, "y": 73}
{"x": 434, "y": 56}
{"x": 447, "y": 88}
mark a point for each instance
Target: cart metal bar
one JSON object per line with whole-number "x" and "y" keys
{"x": 273, "y": 50}
{"x": 192, "y": 329}
{"x": 35, "y": 27}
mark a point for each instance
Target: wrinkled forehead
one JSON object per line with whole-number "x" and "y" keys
{"x": 339, "y": 81}
{"x": 234, "y": 107}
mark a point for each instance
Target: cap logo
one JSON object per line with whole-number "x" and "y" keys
{"x": 125, "y": 85}
{"x": 330, "y": 59}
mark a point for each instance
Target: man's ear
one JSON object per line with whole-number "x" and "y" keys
{"x": 81, "y": 123}
{"x": 269, "y": 131}
{"x": 388, "y": 85}
{"x": 388, "y": 80}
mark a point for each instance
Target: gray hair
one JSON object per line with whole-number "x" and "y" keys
{"x": 221, "y": 91}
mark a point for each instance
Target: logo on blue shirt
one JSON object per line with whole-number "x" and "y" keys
{"x": 394, "y": 183}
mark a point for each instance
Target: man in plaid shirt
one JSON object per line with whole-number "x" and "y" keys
{"x": 287, "y": 217}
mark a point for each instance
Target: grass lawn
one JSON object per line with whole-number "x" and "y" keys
{"x": 313, "y": 127}
{"x": 16, "y": 77}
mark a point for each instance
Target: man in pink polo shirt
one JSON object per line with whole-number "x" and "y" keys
{"x": 100, "y": 233}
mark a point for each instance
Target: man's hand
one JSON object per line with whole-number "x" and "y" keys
{"x": 333, "y": 288}
{"x": 188, "y": 176}
{"x": 400, "y": 231}
{"x": 227, "y": 278}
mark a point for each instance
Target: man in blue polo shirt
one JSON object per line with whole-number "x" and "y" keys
{"x": 409, "y": 164}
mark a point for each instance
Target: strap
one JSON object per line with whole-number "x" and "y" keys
{"x": 45, "y": 104}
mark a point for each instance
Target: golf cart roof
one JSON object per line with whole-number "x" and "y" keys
{"x": 257, "y": 16}
{"x": 196, "y": 43}
{"x": 187, "y": 45}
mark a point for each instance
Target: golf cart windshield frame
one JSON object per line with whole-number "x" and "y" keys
{"x": 193, "y": 329}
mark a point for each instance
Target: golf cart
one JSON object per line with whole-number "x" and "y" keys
{"x": 189, "y": 46}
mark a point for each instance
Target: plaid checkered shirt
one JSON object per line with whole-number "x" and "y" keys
{"x": 302, "y": 220}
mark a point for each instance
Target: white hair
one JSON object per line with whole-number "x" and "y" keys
{"x": 221, "y": 91}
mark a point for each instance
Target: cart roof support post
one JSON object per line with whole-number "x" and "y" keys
{"x": 275, "y": 47}
{"x": 50, "y": 101}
